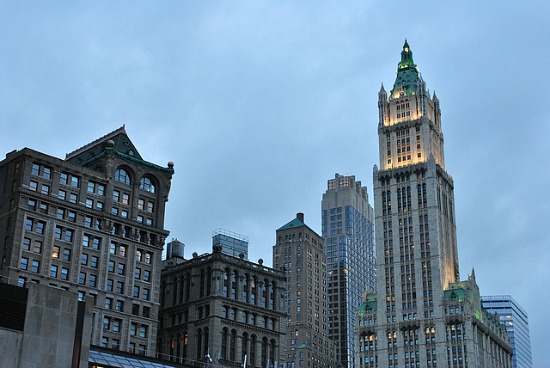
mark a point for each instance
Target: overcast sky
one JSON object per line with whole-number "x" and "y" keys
{"x": 259, "y": 103}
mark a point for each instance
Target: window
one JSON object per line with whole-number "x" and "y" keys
{"x": 147, "y": 185}
{"x": 89, "y": 203}
{"x": 125, "y": 198}
{"x": 136, "y": 291}
{"x": 150, "y": 206}
{"x": 116, "y": 325}
{"x": 116, "y": 196}
{"x": 43, "y": 207}
{"x": 45, "y": 189}
{"x": 133, "y": 329}
{"x": 73, "y": 198}
{"x": 40, "y": 227}
{"x": 93, "y": 280}
{"x": 35, "y": 266}
{"x": 62, "y": 194}
{"x": 119, "y": 287}
{"x": 115, "y": 344}
{"x": 94, "y": 261}
{"x": 71, "y": 216}
{"x": 82, "y": 278}
{"x": 142, "y": 331}
{"x": 122, "y": 250}
{"x": 31, "y": 203}
{"x": 146, "y": 294}
{"x": 121, "y": 269}
{"x": 35, "y": 170}
{"x": 141, "y": 204}
{"x": 119, "y": 306}
{"x": 96, "y": 243}
{"x": 37, "y": 246}
{"x": 66, "y": 254}
{"x": 64, "y": 178}
{"x": 68, "y": 235}
{"x": 111, "y": 266}
{"x": 137, "y": 273}
{"x": 64, "y": 273}
{"x": 75, "y": 181}
{"x": 27, "y": 244}
{"x": 109, "y": 285}
{"x": 147, "y": 275}
{"x": 24, "y": 263}
{"x": 122, "y": 176}
{"x": 33, "y": 186}
{"x": 60, "y": 213}
{"x": 135, "y": 309}
{"x": 148, "y": 258}
{"x": 86, "y": 241}
{"x": 108, "y": 303}
{"x": 112, "y": 248}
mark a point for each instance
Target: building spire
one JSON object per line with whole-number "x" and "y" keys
{"x": 407, "y": 74}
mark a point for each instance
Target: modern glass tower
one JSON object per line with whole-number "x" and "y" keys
{"x": 348, "y": 230}
{"x": 421, "y": 315}
{"x": 515, "y": 318}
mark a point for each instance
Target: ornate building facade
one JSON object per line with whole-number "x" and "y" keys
{"x": 421, "y": 315}
{"x": 93, "y": 224}
{"x": 299, "y": 251}
{"x": 348, "y": 231}
{"x": 221, "y": 309}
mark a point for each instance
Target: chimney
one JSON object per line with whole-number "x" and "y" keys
{"x": 300, "y": 216}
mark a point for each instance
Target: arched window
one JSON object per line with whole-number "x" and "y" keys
{"x": 122, "y": 176}
{"x": 147, "y": 185}
{"x": 225, "y": 337}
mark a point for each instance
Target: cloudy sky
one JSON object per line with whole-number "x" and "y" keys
{"x": 259, "y": 103}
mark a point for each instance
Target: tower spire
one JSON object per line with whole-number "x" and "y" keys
{"x": 407, "y": 74}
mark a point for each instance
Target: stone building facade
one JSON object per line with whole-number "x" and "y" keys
{"x": 299, "y": 251}
{"x": 93, "y": 224}
{"x": 221, "y": 309}
{"x": 408, "y": 322}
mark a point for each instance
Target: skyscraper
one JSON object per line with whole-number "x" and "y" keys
{"x": 348, "y": 231}
{"x": 93, "y": 224}
{"x": 515, "y": 318}
{"x": 422, "y": 315}
{"x": 299, "y": 252}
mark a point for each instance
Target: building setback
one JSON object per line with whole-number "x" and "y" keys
{"x": 221, "y": 309}
{"x": 300, "y": 253}
{"x": 348, "y": 232}
{"x": 516, "y": 321}
{"x": 422, "y": 315}
{"x": 93, "y": 224}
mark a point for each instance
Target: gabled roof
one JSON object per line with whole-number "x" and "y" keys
{"x": 122, "y": 144}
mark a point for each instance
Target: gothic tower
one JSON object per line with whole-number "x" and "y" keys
{"x": 422, "y": 314}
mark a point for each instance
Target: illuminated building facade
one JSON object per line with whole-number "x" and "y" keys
{"x": 299, "y": 251}
{"x": 421, "y": 315}
{"x": 221, "y": 309}
{"x": 516, "y": 321}
{"x": 92, "y": 224}
{"x": 348, "y": 231}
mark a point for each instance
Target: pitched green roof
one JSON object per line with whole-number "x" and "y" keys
{"x": 292, "y": 224}
{"x": 407, "y": 74}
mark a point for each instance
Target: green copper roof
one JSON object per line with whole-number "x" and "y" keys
{"x": 292, "y": 224}
{"x": 407, "y": 74}
{"x": 369, "y": 304}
